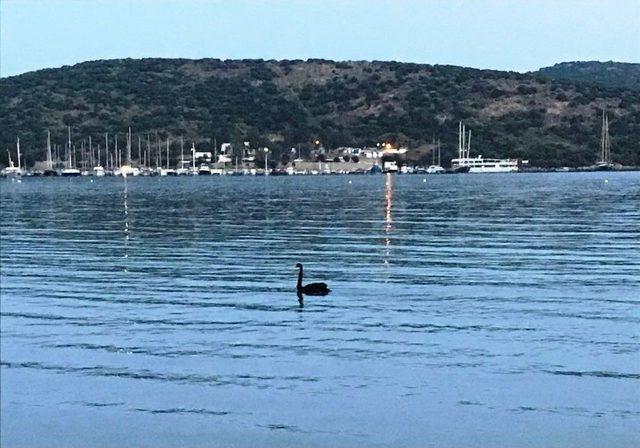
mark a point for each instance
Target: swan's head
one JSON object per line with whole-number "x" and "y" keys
{"x": 298, "y": 265}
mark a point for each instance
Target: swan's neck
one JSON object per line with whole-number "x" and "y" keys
{"x": 300, "y": 278}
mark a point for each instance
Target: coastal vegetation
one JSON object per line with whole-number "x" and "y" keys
{"x": 606, "y": 74}
{"x": 551, "y": 117}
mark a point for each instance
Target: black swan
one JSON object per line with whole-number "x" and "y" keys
{"x": 311, "y": 289}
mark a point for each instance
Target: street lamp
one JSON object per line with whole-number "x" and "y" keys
{"x": 266, "y": 157}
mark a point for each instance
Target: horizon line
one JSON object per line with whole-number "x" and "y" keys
{"x": 308, "y": 59}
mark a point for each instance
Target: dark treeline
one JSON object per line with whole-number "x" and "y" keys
{"x": 280, "y": 104}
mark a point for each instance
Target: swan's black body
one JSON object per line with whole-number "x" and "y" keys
{"x": 311, "y": 289}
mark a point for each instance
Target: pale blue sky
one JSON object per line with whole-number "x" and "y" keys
{"x": 499, "y": 34}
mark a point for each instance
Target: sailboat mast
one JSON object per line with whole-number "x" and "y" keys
{"x": 118, "y": 156}
{"x": 460, "y": 140}
{"x": 157, "y": 150}
{"x": 464, "y": 140}
{"x": 129, "y": 147}
{"x": 181, "y": 152}
{"x": 607, "y": 143}
{"x": 148, "y": 150}
{"x": 106, "y": 148}
{"x": 83, "y": 164}
{"x": 469, "y": 145}
{"x": 139, "y": 149}
{"x": 49, "y": 159}
{"x": 602, "y": 139}
{"x": 18, "y": 150}
{"x": 167, "y": 152}
{"x": 433, "y": 150}
{"x": 92, "y": 159}
{"x": 69, "y": 146}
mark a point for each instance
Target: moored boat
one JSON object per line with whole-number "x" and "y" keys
{"x": 12, "y": 171}
{"x": 605, "y": 150}
{"x": 204, "y": 170}
{"x": 464, "y": 163}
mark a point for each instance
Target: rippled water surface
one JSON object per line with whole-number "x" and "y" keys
{"x": 468, "y": 310}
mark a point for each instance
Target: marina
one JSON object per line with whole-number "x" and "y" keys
{"x": 241, "y": 160}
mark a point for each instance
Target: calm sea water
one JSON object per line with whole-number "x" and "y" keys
{"x": 466, "y": 310}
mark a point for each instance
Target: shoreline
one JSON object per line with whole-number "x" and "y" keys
{"x": 278, "y": 173}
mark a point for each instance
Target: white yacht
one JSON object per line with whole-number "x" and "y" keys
{"x": 204, "y": 170}
{"x": 466, "y": 163}
{"x": 481, "y": 165}
{"x": 435, "y": 169}
{"x": 390, "y": 166}
{"x": 70, "y": 172}
{"x": 127, "y": 170}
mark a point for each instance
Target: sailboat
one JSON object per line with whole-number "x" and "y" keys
{"x": 203, "y": 169}
{"x": 458, "y": 165}
{"x": 69, "y": 170}
{"x": 435, "y": 168}
{"x": 605, "y": 150}
{"x": 49, "y": 171}
{"x": 183, "y": 165}
{"x": 12, "y": 171}
{"x": 127, "y": 169}
{"x": 168, "y": 171}
{"x": 97, "y": 169}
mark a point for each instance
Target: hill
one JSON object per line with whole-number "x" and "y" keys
{"x": 551, "y": 122}
{"x": 606, "y": 74}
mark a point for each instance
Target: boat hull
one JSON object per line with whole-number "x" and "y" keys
{"x": 70, "y": 173}
{"x": 493, "y": 170}
{"x": 460, "y": 169}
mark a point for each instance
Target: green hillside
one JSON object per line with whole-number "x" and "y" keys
{"x": 551, "y": 122}
{"x": 606, "y": 74}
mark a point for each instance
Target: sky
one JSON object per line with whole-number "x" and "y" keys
{"x": 519, "y": 35}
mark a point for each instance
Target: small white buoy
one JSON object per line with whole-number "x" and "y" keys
{"x": 606, "y": 181}
{"x": 349, "y": 181}
{"x": 91, "y": 180}
{"x": 424, "y": 180}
